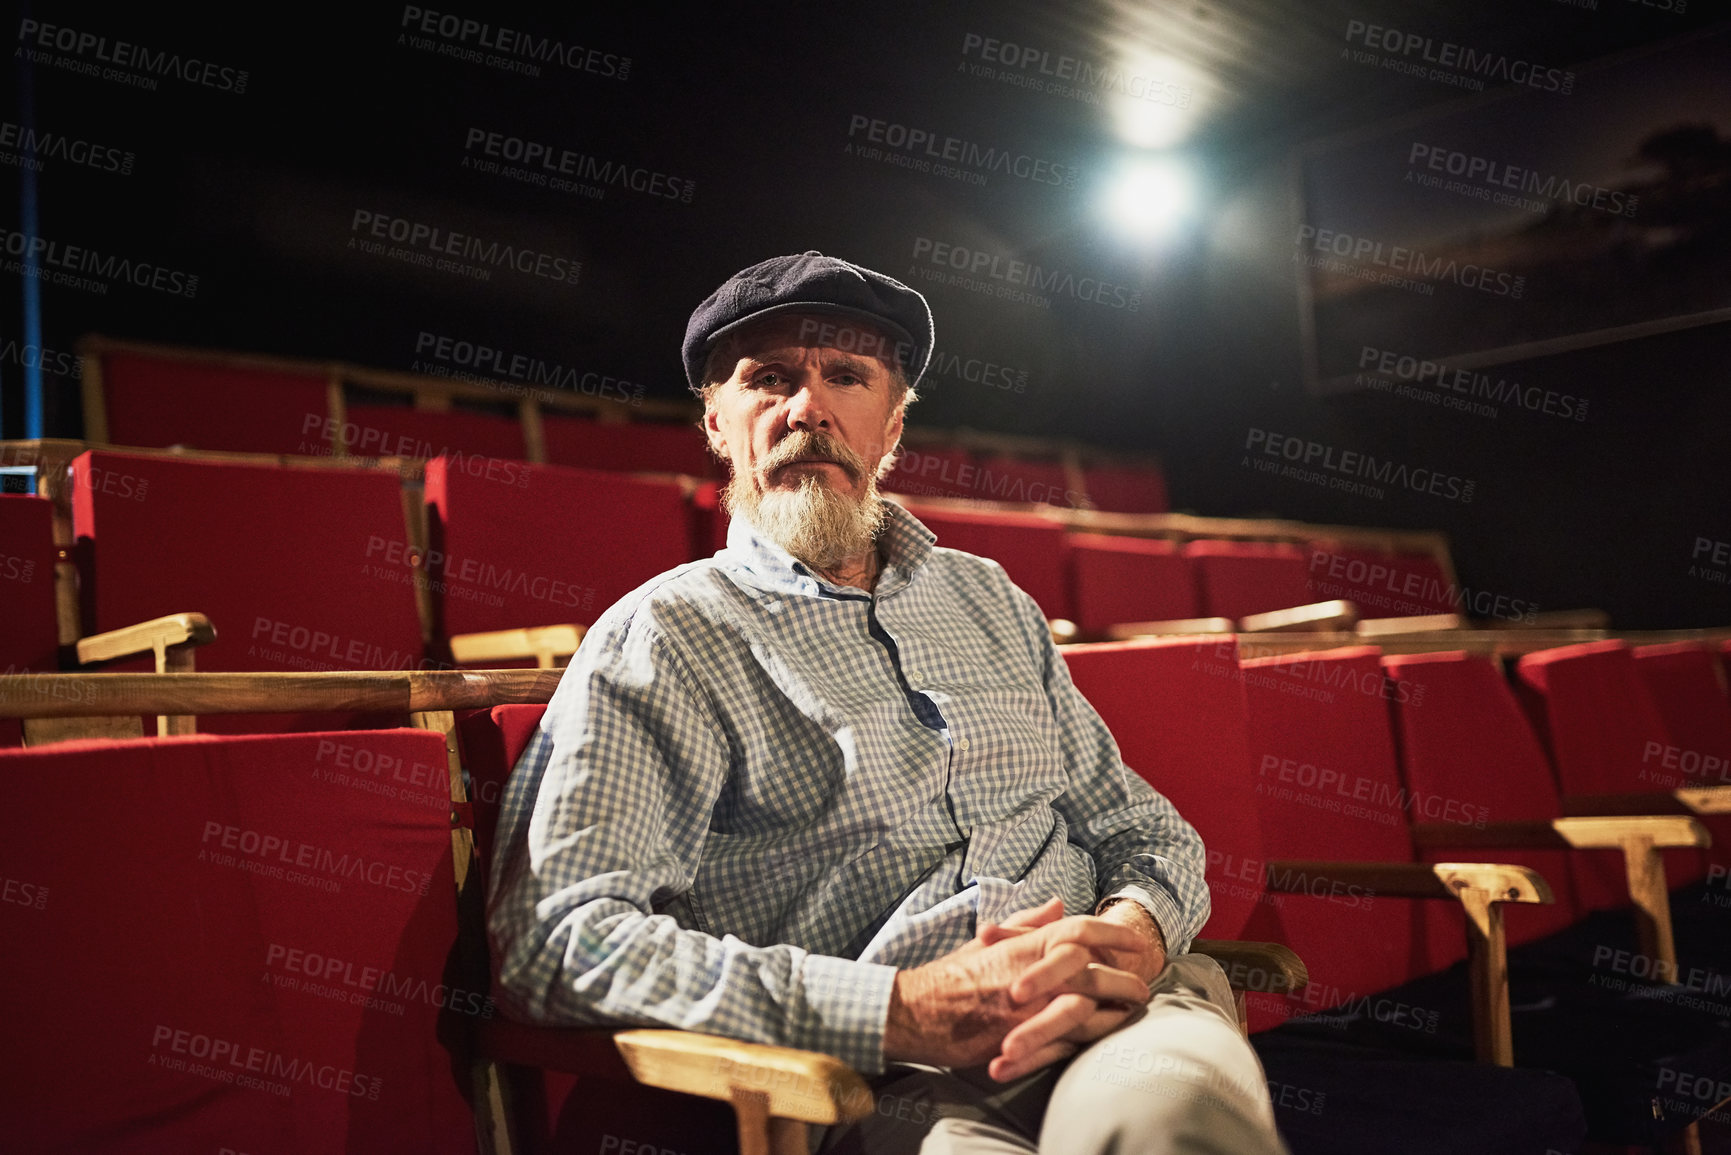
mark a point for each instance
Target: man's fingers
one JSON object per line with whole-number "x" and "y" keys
{"x": 1003, "y": 1070}
{"x": 1050, "y": 972}
{"x": 997, "y": 932}
{"x": 1096, "y": 934}
{"x": 1047, "y": 912}
{"x": 1057, "y": 1019}
{"x": 1109, "y": 985}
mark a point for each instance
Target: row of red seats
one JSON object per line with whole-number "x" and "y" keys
{"x": 309, "y": 991}
{"x": 1350, "y": 755}
{"x": 314, "y": 568}
{"x": 161, "y": 401}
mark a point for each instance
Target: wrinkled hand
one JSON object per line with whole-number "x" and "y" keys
{"x": 1013, "y": 993}
{"x": 1033, "y": 1044}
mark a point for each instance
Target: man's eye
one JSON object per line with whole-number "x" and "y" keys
{"x": 848, "y": 379}
{"x": 767, "y": 380}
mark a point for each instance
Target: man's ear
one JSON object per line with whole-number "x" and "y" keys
{"x": 893, "y": 431}
{"x": 712, "y": 430}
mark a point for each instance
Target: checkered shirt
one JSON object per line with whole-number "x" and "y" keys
{"x": 755, "y": 794}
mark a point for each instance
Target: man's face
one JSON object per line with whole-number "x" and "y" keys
{"x": 797, "y": 373}
{"x": 807, "y": 422}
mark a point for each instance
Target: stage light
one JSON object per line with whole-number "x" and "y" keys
{"x": 1150, "y": 199}
{"x": 1158, "y": 99}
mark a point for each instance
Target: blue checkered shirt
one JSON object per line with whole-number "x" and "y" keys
{"x": 755, "y": 794}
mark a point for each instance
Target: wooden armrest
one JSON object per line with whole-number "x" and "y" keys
{"x": 1064, "y": 631}
{"x": 546, "y": 644}
{"x": 1579, "y": 833}
{"x": 1256, "y": 966}
{"x": 1501, "y": 881}
{"x": 1415, "y": 624}
{"x": 1481, "y": 888}
{"x": 1319, "y": 617}
{"x": 156, "y": 635}
{"x": 801, "y": 1085}
{"x": 1683, "y": 800}
{"x": 1124, "y": 630}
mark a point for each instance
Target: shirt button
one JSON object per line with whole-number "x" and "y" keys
{"x": 964, "y": 743}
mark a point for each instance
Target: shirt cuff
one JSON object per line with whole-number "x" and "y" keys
{"x": 846, "y": 1004}
{"x": 1162, "y": 909}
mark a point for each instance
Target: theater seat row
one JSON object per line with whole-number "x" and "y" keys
{"x": 305, "y": 568}
{"x": 164, "y": 397}
{"x": 1285, "y": 762}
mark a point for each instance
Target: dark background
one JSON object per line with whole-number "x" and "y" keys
{"x": 256, "y": 192}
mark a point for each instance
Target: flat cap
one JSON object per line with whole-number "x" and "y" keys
{"x": 810, "y": 282}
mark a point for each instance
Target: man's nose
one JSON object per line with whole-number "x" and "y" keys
{"x": 806, "y": 409}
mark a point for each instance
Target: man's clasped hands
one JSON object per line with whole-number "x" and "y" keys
{"x": 1026, "y": 992}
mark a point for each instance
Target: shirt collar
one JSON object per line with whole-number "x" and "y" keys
{"x": 904, "y": 542}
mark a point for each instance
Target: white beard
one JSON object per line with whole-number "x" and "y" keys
{"x": 820, "y": 526}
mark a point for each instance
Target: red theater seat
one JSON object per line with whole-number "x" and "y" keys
{"x": 1176, "y": 708}
{"x": 401, "y": 431}
{"x": 298, "y": 569}
{"x": 1327, "y": 786}
{"x": 1130, "y": 579}
{"x": 1127, "y": 489}
{"x": 1469, "y": 757}
{"x": 1028, "y": 546}
{"x": 491, "y": 742}
{"x": 934, "y": 472}
{"x": 1605, "y": 733}
{"x": 1017, "y": 480}
{"x": 29, "y": 637}
{"x": 710, "y": 521}
{"x": 1382, "y": 585}
{"x": 627, "y": 446}
{"x": 534, "y": 545}
{"x": 236, "y": 943}
{"x": 1688, "y": 689}
{"x": 158, "y": 400}
{"x": 1240, "y": 578}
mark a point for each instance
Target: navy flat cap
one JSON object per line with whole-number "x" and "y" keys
{"x": 813, "y": 283}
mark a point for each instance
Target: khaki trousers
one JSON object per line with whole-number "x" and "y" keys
{"x": 1180, "y": 1079}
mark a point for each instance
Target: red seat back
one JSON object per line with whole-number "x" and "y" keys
{"x": 236, "y": 943}
{"x": 1469, "y": 757}
{"x": 1176, "y": 708}
{"x": 401, "y": 431}
{"x": 29, "y": 635}
{"x": 934, "y": 472}
{"x": 298, "y": 569}
{"x": 1129, "y": 579}
{"x": 536, "y": 545}
{"x": 159, "y": 400}
{"x": 1687, "y": 687}
{"x": 1605, "y": 734}
{"x": 491, "y": 741}
{"x": 1327, "y": 788}
{"x": 1028, "y": 546}
{"x": 627, "y": 446}
{"x": 1127, "y": 488}
{"x": 1382, "y": 585}
{"x": 1240, "y": 578}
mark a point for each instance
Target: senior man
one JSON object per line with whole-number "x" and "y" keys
{"x": 833, "y": 789}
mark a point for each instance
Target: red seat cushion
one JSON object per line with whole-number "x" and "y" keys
{"x": 298, "y": 569}
{"x": 1127, "y": 488}
{"x": 1381, "y": 585}
{"x": 546, "y": 544}
{"x": 1327, "y": 787}
{"x": 1240, "y": 578}
{"x": 163, "y": 400}
{"x": 1028, "y": 546}
{"x": 627, "y": 446}
{"x": 29, "y": 633}
{"x": 1130, "y": 579}
{"x": 1606, "y": 736}
{"x": 400, "y": 431}
{"x": 1469, "y": 757}
{"x": 250, "y": 950}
